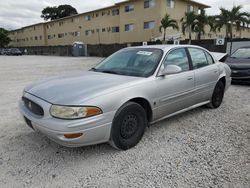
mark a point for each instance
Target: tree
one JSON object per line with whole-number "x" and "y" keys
{"x": 188, "y": 23}
{"x": 199, "y": 24}
{"x": 230, "y": 19}
{"x": 4, "y": 39}
{"x": 211, "y": 21}
{"x": 167, "y": 22}
{"x": 52, "y": 13}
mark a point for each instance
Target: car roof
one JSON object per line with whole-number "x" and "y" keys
{"x": 165, "y": 47}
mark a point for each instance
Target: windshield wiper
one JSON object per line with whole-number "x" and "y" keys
{"x": 109, "y": 72}
{"x": 93, "y": 69}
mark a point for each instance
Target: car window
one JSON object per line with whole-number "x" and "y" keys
{"x": 241, "y": 53}
{"x": 178, "y": 57}
{"x": 210, "y": 60}
{"x": 198, "y": 57}
{"x": 140, "y": 62}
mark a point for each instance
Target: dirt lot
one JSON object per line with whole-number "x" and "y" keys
{"x": 200, "y": 148}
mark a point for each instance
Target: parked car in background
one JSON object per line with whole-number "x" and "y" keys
{"x": 116, "y": 100}
{"x": 13, "y": 51}
{"x": 4, "y": 51}
{"x": 239, "y": 62}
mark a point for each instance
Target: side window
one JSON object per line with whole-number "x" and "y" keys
{"x": 210, "y": 60}
{"x": 198, "y": 57}
{"x": 178, "y": 57}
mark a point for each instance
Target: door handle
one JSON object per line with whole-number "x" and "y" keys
{"x": 190, "y": 78}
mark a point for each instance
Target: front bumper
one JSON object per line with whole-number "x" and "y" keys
{"x": 95, "y": 129}
{"x": 241, "y": 75}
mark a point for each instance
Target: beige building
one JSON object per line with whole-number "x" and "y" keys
{"x": 125, "y": 22}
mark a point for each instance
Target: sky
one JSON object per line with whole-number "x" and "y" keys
{"x": 15, "y": 14}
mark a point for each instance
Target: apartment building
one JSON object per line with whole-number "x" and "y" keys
{"x": 125, "y": 22}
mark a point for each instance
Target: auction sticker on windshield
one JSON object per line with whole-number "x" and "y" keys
{"x": 144, "y": 53}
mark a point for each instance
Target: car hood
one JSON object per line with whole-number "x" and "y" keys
{"x": 238, "y": 63}
{"x": 74, "y": 89}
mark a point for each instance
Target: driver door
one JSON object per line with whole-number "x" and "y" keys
{"x": 174, "y": 92}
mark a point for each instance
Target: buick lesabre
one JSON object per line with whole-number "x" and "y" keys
{"x": 117, "y": 99}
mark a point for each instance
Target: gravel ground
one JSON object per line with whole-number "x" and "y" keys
{"x": 200, "y": 148}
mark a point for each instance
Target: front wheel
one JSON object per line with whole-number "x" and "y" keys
{"x": 128, "y": 126}
{"x": 218, "y": 95}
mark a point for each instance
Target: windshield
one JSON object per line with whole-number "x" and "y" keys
{"x": 139, "y": 62}
{"x": 241, "y": 53}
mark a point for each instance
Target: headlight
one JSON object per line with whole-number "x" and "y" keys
{"x": 72, "y": 112}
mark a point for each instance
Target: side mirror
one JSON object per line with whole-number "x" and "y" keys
{"x": 171, "y": 69}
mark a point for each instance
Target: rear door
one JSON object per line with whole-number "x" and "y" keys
{"x": 206, "y": 73}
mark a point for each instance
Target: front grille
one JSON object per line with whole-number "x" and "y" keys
{"x": 33, "y": 107}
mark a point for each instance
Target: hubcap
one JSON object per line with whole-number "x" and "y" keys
{"x": 129, "y": 126}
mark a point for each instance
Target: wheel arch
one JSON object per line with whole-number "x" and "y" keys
{"x": 145, "y": 105}
{"x": 223, "y": 80}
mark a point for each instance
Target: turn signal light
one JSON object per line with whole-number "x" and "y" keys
{"x": 71, "y": 136}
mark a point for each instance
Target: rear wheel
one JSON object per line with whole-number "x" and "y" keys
{"x": 128, "y": 126}
{"x": 218, "y": 95}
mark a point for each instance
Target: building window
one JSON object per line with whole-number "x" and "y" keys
{"x": 60, "y": 35}
{"x": 149, "y": 25}
{"x": 170, "y": 3}
{"x": 149, "y": 3}
{"x": 115, "y": 12}
{"x": 88, "y": 32}
{"x": 50, "y": 37}
{"x": 36, "y": 38}
{"x": 77, "y": 33}
{"x": 103, "y": 30}
{"x": 41, "y": 37}
{"x": 190, "y": 8}
{"x": 88, "y": 18}
{"x": 103, "y": 13}
{"x": 97, "y": 15}
{"x": 129, "y": 27}
{"x": 129, "y": 8}
{"x": 115, "y": 29}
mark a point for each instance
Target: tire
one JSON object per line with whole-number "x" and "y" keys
{"x": 217, "y": 96}
{"x": 128, "y": 126}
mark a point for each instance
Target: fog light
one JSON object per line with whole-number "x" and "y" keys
{"x": 71, "y": 136}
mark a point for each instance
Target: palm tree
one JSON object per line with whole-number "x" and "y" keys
{"x": 231, "y": 18}
{"x": 167, "y": 22}
{"x": 188, "y": 23}
{"x": 211, "y": 21}
{"x": 200, "y": 23}
{"x": 222, "y": 20}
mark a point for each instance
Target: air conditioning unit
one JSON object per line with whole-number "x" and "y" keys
{"x": 220, "y": 41}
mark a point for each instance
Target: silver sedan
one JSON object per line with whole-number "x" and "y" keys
{"x": 116, "y": 100}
